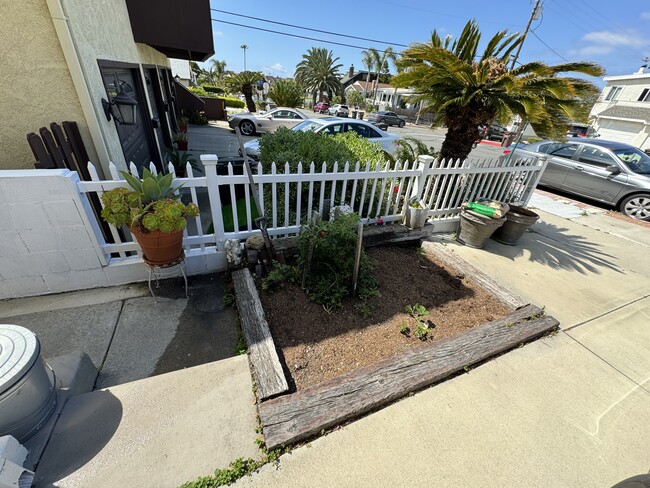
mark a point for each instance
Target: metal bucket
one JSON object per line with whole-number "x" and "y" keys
{"x": 27, "y": 384}
{"x": 518, "y": 219}
{"x": 476, "y": 229}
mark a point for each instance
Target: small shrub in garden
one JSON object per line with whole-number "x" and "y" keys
{"x": 279, "y": 276}
{"x": 213, "y": 89}
{"x": 333, "y": 249}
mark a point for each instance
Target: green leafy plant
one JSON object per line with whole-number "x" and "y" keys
{"x": 277, "y": 277}
{"x": 241, "y": 347}
{"x": 213, "y": 89}
{"x": 286, "y": 93}
{"x": 332, "y": 247}
{"x": 180, "y": 137}
{"x": 198, "y": 117}
{"x": 179, "y": 160}
{"x": 404, "y": 329}
{"x": 418, "y": 311}
{"x": 409, "y": 149}
{"x": 355, "y": 99}
{"x": 151, "y": 205}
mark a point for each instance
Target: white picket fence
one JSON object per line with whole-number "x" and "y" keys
{"x": 288, "y": 199}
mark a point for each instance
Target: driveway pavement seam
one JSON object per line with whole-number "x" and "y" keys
{"x": 110, "y": 342}
{"x": 616, "y": 309}
{"x": 607, "y": 362}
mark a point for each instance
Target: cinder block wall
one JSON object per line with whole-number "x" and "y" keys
{"x": 47, "y": 243}
{"x": 45, "y": 246}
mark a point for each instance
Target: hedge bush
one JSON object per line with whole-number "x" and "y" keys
{"x": 213, "y": 89}
{"x": 234, "y": 102}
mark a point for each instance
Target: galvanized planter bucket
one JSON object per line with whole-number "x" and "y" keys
{"x": 518, "y": 220}
{"x": 415, "y": 218}
{"x": 27, "y": 385}
{"x": 476, "y": 229}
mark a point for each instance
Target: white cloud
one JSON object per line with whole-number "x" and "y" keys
{"x": 276, "y": 70}
{"x": 218, "y": 34}
{"x": 591, "y": 51}
{"x": 645, "y": 15}
{"x": 608, "y": 38}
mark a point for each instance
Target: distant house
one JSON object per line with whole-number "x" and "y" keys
{"x": 622, "y": 112}
{"x": 71, "y": 59}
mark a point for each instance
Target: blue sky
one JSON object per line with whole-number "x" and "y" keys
{"x": 613, "y": 34}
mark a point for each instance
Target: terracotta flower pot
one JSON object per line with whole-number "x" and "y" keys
{"x": 159, "y": 248}
{"x": 182, "y": 145}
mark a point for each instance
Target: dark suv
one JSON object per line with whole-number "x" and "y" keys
{"x": 495, "y": 132}
{"x": 388, "y": 118}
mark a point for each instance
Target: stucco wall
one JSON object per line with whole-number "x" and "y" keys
{"x": 101, "y": 30}
{"x": 35, "y": 84}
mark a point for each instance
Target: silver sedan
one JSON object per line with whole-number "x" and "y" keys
{"x": 249, "y": 123}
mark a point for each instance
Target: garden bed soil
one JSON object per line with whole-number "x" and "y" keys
{"x": 316, "y": 345}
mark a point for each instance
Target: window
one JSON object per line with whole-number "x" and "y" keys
{"x": 563, "y": 150}
{"x": 645, "y": 95}
{"x": 333, "y": 129}
{"x": 364, "y": 130}
{"x": 635, "y": 159}
{"x": 282, "y": 114}
{"x": 595, "y": 157}
{"x": 614, "y": 92}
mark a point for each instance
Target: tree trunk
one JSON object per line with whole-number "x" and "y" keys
{"x": 313, "y": 98}
{"x": 247, "y": 90}
{"x": 462, "y": 130}
{"x": 365, "y": 90}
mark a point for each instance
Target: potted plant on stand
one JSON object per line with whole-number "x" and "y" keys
{"x": 153, "y": 214}
{"x": 179, "y": 160}
{"x": 180, "y": 138}
{"x": 182, "y": 123}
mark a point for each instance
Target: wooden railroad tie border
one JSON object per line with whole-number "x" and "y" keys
{"x": 269, "y": 377}
{"x": 291, "y": 418}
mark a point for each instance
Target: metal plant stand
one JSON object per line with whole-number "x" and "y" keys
{"x": 160, "y": 271}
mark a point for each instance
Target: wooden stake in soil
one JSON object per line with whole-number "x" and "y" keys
{"x": 314, "y": 220}
{"x": 357, "y": 259}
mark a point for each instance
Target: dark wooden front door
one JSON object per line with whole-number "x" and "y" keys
{"x": 137, "y": 140}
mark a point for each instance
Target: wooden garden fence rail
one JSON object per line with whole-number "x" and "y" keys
{"x": 289, "y": 197}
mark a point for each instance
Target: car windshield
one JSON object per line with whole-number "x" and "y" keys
{"x": 635, "y": 159}
{"x": 307, "y": 126}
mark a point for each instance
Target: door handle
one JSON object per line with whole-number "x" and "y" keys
{"x": 579, "y": 168}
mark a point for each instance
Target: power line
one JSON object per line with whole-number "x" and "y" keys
{"x": 294, "y": 35}
{"x": 549, "y": 47}
{"x": 305, "y": 28}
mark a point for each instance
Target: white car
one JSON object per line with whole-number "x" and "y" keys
{"x": 249, "y": 123}
{"x": 339, "y": 110}
{"x": 333, "y": 126}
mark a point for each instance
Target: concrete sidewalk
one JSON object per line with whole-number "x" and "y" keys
{"x": 572, "y": 410}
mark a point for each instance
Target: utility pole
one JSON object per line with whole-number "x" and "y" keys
{"x": 244, "y": 47}
{"x": 533, "y": 16}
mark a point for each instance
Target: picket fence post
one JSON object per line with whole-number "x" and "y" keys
{"x": 424, "y": 162}
{"x": 212, "y": 181}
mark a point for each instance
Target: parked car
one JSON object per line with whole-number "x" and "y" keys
{"x": 339, "y": 110}
{"x": 610, "y": 172}
{"x": 333, "y": 126}
{"x": 389, "y": 118}
{"x": 495, "y": 132}
{"x": 249, "y": 123}
{"x": 321, "y": 107}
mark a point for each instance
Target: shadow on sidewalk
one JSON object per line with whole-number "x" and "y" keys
{"x": 553, "y": 246}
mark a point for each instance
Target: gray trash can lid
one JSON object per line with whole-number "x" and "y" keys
{"x": 19, "y": 348}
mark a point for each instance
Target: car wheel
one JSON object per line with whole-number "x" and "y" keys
{"x": 401, "y": 123}
{"x": 637, "y": 206}
{"x": 247, "y": 128}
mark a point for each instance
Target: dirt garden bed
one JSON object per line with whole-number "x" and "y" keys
{"x": 318, "y": 345}
{"x": 317, "y": 368}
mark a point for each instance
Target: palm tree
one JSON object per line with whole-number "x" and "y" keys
{"x": 286, "y": 93}
{"x": 318, "y": 72}
{"x": 218, "y": 68}
{"x": 466, "y": 89}
{"x": 382, "y": 60}
{"x": 369, "y": 60}
{"x": 243, "y": 83}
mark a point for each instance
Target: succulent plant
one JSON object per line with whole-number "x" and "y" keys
{"x": 151, "y": 205}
